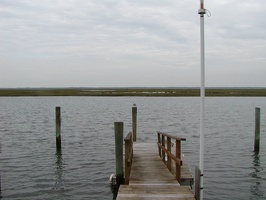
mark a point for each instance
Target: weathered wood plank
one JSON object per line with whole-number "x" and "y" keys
{"x": 156, "y": 197}
{"x": 151, "y": 179}
{"x": 154, "y": 192}
{"x": 155, "y": 189}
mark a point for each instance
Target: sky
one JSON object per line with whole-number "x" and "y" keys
{"x": 131, "y": 43}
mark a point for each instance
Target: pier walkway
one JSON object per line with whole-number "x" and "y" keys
{"x": 150, "y": 178}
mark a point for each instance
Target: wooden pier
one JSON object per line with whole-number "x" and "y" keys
{"x": 152, "y": 171}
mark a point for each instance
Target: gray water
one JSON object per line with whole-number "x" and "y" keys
{"x": 32, "y": 169}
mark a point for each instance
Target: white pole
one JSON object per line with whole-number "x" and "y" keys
{"x": 201, "y": 12}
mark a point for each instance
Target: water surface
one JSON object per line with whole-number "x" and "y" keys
{"x": 32, "y": 169}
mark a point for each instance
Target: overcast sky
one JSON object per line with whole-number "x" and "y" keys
{"x": 128, "y": 43}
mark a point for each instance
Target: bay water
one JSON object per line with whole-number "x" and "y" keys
{"x": 31, "y": 168}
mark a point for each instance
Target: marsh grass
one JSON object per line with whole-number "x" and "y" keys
{"x": 157, "y": 92}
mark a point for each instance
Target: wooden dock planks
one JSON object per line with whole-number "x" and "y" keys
{"x": 139, "y": 192}
{"x": 150, "y": 178}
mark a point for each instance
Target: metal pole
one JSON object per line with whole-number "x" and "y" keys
{"x": 202, "y": 12}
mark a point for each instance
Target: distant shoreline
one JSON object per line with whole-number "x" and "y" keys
{"x": 137, "y": 91}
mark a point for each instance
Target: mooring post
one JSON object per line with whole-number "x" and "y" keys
{"x": 257, "y": 131}
{"x": 134, "y": 122}
{"x": 119, "y": 126}
{"x": 58, "y": 127}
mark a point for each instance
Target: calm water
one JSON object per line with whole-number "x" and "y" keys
{"x": 31, "y": 168}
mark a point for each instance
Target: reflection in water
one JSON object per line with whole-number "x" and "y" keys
{"x": 114, "y": 189}
{"x": 59, "y": 184}
{"x": 256, "y": 188}
{"x": 0, "y": 186}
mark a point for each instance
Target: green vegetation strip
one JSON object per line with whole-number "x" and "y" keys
{"x": 156, "y": 92}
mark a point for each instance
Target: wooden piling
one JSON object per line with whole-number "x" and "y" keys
{"x": 128, "y": 156}
{"x": 134, "y": 123}
{"x": 257, "y": 131}
{"x": 58, "y": 127}
{"x": 119, "y": 126}
{"x": 197, "y": 183}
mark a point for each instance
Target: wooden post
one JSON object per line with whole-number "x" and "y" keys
{"x": 163, "y": 144}
{"x": 178, "y": 155}
{"x": 169, "y": 165}
{"x": 119, "y": 126}
{"x": 257, "y": 131}
{"x": 159, "y": 142}
{"x": 197, "y": 183}
{"x": 134, "y": 122}
{"x": 128, "y": 156}
{"x": 58, "y": 128}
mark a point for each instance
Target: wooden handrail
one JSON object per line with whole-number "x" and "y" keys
{"x": 171, "y": 136}
{"x": 172, "y": 156}
{"x": 128, "y": 137}
{"x": 128, "y": 156}
{"x": 162, "y": 151}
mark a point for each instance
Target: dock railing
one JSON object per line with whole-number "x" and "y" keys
{"x": 165, "y": 151}
{"x": 128, "y": 156}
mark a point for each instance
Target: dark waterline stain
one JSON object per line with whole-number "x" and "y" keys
{"x": 59, "y": 184}
{"x": 256, "y": 187}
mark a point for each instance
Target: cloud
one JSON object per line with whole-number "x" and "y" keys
{"x": 151, "y": 37}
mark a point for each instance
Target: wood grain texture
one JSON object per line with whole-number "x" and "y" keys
{"x": 151, "y": 179}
